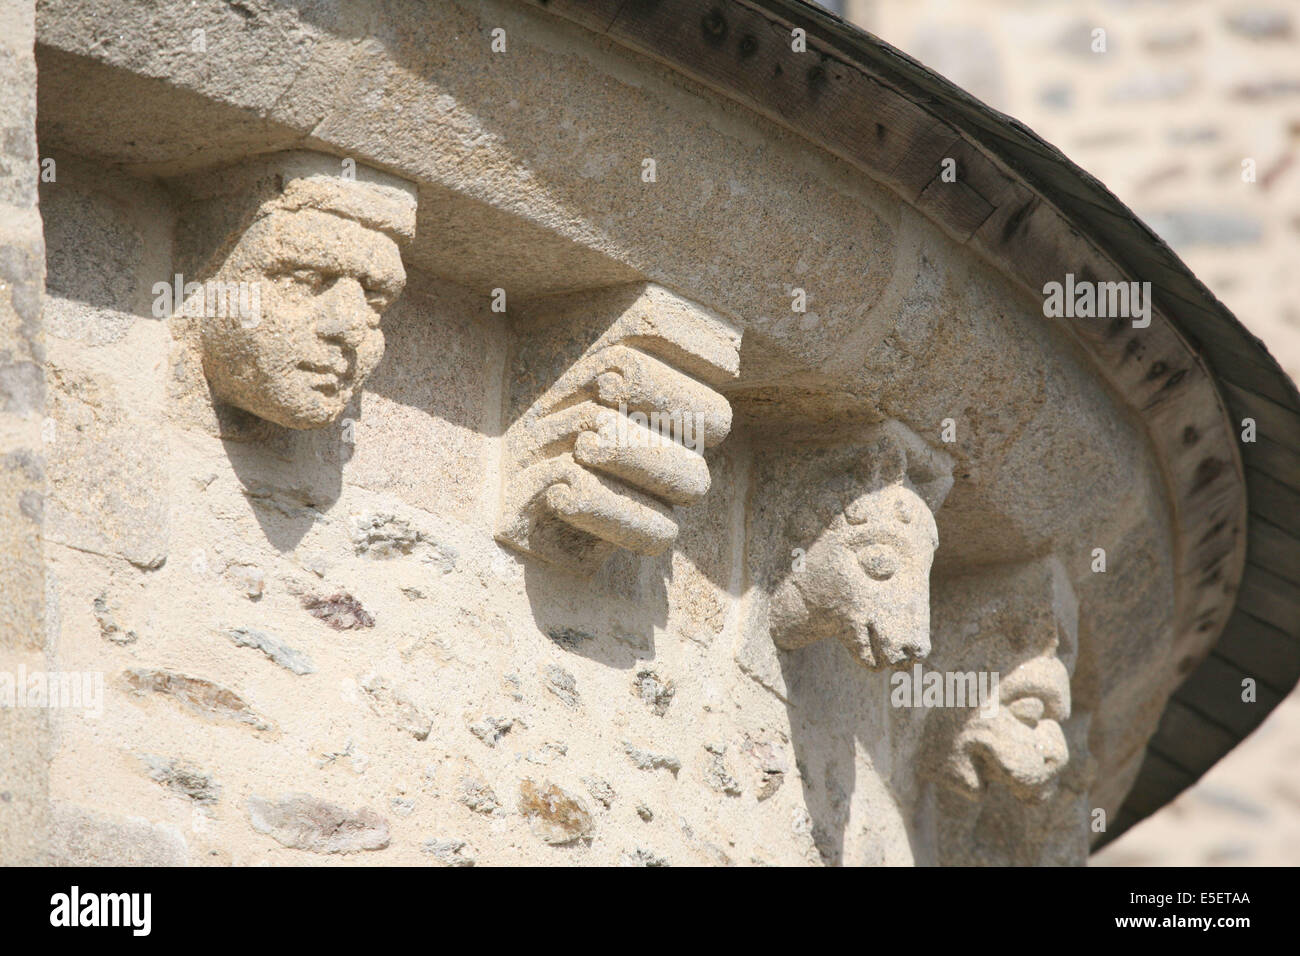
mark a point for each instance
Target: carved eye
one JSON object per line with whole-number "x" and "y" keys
{"x": 376, "y": 299}
{"x": 308, "y": 279}
{"x": 879, "y": 562}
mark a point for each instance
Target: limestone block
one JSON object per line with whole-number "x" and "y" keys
{"x": 614, "y": 400}
{"x": 107, "y": 471}
{"x": 429, "y": 416}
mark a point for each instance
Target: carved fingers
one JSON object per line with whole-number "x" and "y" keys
{"x": 617, "y": 441}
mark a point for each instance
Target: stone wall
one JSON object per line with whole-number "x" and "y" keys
{"x": 336, "y": 620}
{"x": 24, "y": 734}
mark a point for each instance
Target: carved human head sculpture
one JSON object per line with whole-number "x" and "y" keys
{"x": 315, "y": 240}
{"x": 858, "y": 541}
{"x": 1023, "y": 628}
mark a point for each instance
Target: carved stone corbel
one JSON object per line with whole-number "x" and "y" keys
{"x": 851, "y": 536}
{"x": 291, "y": 261}
{"x": 608, "y": 439}
{"x": 1020, "y": 623}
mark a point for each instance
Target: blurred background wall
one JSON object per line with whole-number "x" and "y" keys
{"x": 1165, "y": 115}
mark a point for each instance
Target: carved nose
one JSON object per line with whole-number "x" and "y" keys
{"x": 343, "y": 313}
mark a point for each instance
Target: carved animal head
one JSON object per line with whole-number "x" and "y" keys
{"x": 867, "y": 535}
{"x": 1021, "y": 744}
{"x": 865, "y": 580}
{"x": 1020, "y": 623}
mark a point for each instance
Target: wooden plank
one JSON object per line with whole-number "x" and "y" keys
{"x": 1189, "y": 740}
{"x": 1269, "y": 458}
{"x": 1158, "y": 782}
{"x": 1273, "y": 548}
{"x": 1272, "y": 599}
{"x": 1275, "y": 421}
{"x": 1215, "y": 688}
{"x": 1261, "y": 649}
{"x": 1273, "y": 501}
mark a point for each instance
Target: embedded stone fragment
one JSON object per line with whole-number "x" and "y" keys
{"x": 769, "y": 764}
{"x": 657, "y": 694}
{"x": 303, "y": 822}
{"x": 384, "y": 535}
{"x": 340, "y": 611}
{"x": 600, "y": 790}
{"x": 109, "y": 629}
{"x": 179, "y": 777}
{"x": 449, "y": 852}
{"x": 195, "y": 694}
{"x": 248, "y": 578}
{"x": 716, "y": 774}
{"x": 556, "y": 816}
{"x": 477, "y": 795}
{"x": 276, "y": 650}
{"x": 491, "y": 729}
{"x": 569, "y": 638}
{"x": 547, "y": 753}
{"x": 641, "y": 857}
{"x": 562, "y": 684}
{"x": 645, "y": 760}
{"x": 82, "y": 837}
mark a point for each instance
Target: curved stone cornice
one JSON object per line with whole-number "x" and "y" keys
{"x": 1191, "y": 376}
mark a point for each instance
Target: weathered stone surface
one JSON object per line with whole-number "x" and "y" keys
{"x": 25, "y": 734}
{"x": 394, "y": 704}
{"x": 83, "y": 837}
{"x": 303, "y": 822}
{"x": 108, "y": 488}
{"x": 888, "y": 441}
